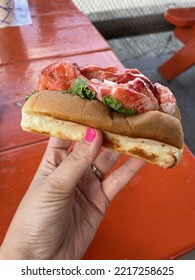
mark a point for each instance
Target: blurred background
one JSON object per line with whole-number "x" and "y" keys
{"x": 134, "y": 29}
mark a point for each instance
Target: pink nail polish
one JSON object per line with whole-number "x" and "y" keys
{"x": 90, "y": 135}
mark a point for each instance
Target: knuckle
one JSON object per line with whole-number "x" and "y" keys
{"x": 80, "y": 156}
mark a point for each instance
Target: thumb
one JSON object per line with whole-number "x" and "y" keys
{"x": 68, "y": 173}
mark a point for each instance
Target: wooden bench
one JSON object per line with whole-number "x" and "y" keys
{"x": 184, "y": 21}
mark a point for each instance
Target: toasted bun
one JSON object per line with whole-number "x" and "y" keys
{"x": 153, "y": 136}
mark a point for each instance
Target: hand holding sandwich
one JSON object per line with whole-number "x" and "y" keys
{"x": 66, "y": 201}
{"x": 136, "y": 117}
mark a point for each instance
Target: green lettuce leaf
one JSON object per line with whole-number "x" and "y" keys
{"x": 29, "y": 95}
{"x": 116, "y": 105}
{"x": 80, "y": 87}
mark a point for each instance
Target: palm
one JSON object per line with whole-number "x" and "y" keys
{"x": 87, "y": 212}
{"x": 86, "y": 208}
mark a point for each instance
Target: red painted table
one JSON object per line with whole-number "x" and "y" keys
{"x": 154, "y": 216}
{"x": 184, "y": 21}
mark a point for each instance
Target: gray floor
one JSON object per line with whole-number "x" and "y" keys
{"x": 189, "y": 256}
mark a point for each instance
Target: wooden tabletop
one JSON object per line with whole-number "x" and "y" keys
{"x": 154, "y": 215}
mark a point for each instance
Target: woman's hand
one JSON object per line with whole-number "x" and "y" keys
{"x": 65, "y": 203}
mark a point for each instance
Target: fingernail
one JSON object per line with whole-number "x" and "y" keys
{"x": 90, "y": 135}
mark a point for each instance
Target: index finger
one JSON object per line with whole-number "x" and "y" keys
{"x": 56, "y": 152}
{"x": 58, "y": 143}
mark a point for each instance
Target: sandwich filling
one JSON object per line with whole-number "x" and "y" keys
{"x": 128, "y": 91}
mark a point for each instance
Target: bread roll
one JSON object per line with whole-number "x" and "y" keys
{"x": 154, "y": 136}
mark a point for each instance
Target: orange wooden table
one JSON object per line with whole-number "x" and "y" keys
{"x": 184, "y": 21}
{"x": 154, "y": 216}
